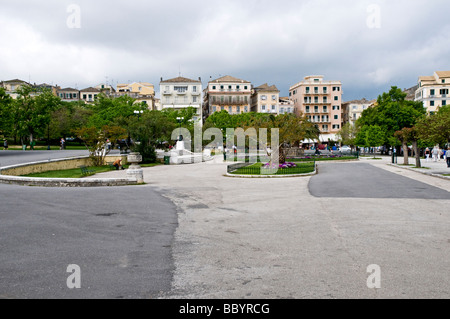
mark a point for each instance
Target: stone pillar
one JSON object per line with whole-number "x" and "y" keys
{"x": 135, "y": 171}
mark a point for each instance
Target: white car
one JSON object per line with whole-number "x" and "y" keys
{"x": 346, "y": 149}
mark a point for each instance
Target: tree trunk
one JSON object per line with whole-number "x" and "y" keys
{"x": 405, "y": 154}
{"x": 417, "y": 154}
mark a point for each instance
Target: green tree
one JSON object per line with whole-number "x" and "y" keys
{"x": 150, "y": 131}
{"x": 392, "y": 113}
{"x": 435, "y": 129}
{"x": 347, "y": 135}
{"x": 33, "y": 112}
{"x": 409, "y": 135}
{"x": 374, "y": 136}
{"x": 5, "y": 112}
{"x": 96, "y": 140}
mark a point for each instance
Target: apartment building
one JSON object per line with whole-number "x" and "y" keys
{"x": 266, "y": 99}
{"x": 180, "y": 93}
{"x": 227, "y": 93}
{"x": 321, "y": 102}
{"x": 433, "y": 91}
{"x": 352, "y": 110}
{"x": 106, "y": 89}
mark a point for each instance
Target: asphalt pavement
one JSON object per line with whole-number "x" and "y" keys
{"x": 120, "y": 237}
{"x": 363, "y": 180}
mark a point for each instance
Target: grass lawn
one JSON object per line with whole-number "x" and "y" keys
{"x": 446, "y": 174}
{"x": 150, "y": 165}
{"x": 70, "y": 173}
{"x": 255, "y": 169}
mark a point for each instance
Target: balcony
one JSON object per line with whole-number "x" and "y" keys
{"x": 196, "y": 93}
{"x": 181, "y": 92}
{"x": 167, "y": 93}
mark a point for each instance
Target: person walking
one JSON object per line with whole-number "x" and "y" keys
{"x": 5, "y": 145}
{"x": 427, "y": 154}
{"x": 436, "y": 153}
{"x": 448, "y": 157}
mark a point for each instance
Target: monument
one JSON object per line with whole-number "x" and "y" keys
{"x": 135, "y": 171}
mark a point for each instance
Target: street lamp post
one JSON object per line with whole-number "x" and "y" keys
{"x": 180, "y": 120}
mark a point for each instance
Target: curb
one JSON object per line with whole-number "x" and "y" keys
{"x": 65, "y": 182}
{"x": 420, "y": 172}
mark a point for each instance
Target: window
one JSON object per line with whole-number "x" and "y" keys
{"x": 214, "y": 87}
{"x": 245, "y": 87}
{"x": 274, "y": 97}
{"x": 431, "y": 103}
{"x": 230, "y": 87}
{"x": 316, "y": 80}
{"x": 84, "y": 96}
{"x": 316, "y": 109}
{"x": 222, "y": 108}
{"x": 325, "y": 91}
{"x": 194, "y": 99}
{"x": 444, "y": 91}
{"x": 432, "y": 92}
{"x": 307, "y": 109}
{"x": 336, "y": 108}
{"x": 239, "y": 109}
{"x": 307, "y": 90}
{"x": 336, "y": 89}
{"x": 325, "y": 99}
{"x": 444, "y": 102}
{"x": 238, "y": 87}
{"x": 246, "y": 109}
{"x": 230, "y": 109}
{"x": 316, "y": 100}
{"x": 336, "y": 127}
{"x": 325, "y": 109}
{"x": 222, "y": 99}
{"x": 355, "y": 107}
{"x": 263, "y": 107}
{"x": 214, "y": 99}
{"x": 316, "y": 90}
{"x": 336, "y": 117}
{"x": 140, "y": 88}
{"x": 325, "y": 128}
{"x": 214, "y": 109}
{"x": 222, "y": 87}
{"x": 306, "y": 100}
{"x": 274, "y": 107}
{"x": 181, "y": 89}
{"x": 263, "y": 98}
{"x": 443, "y": 81}
{"x": 194, "y": 89}
{"x": 230, "y": 99}
{"x": 336, "y": 98}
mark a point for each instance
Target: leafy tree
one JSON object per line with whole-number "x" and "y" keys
{"x": 292, "y": 130}
{"x": 5, "y": 112}
{"x": 347, "y": 135}
{"x": 374, "y": 136}
{"x": 32, "y": 112}
{"x": 392, "y": 114}
{"x": 67, "y": 118}
{"x": 409, "y": 135}
{"x": 435, "y": 129}
{"x": 150, "y": 131}
{"x": 96, "y": 140}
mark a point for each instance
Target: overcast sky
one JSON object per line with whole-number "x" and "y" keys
{"x": 368, "y": 45}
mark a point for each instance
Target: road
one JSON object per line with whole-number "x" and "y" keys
{"x": 121, "y": 237}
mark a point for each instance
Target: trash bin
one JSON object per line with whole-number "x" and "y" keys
{"x": 166, "y": 160}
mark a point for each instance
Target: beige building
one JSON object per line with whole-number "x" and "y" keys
{"x": 352, "y": 110}
{"x": 227, "y": 93}
{"x": 89, "y": 95}
{"x": 266, "y": 99}
{"x": 321, "y": 102}
{"x": 143, "y": 92}
{"x": 181, "y": 93}
{"x": 68, "y": 94}
{"x": 433, "y": 91}
{"x": 12, "y": 86}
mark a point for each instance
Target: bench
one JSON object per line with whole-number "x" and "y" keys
{"x": 86, "y": 171}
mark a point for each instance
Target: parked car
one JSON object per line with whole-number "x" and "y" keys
{"x": 346, "y": 149}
